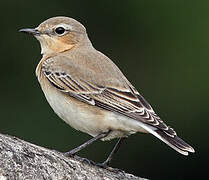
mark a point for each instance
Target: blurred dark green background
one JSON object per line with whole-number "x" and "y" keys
{"x": 161, "y": 46}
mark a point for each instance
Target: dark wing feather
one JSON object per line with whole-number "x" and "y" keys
{"x": 131, "y": 105}
{"x": 123, "y": 101}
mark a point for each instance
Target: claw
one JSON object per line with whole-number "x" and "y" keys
{"x": 88, "y": 161}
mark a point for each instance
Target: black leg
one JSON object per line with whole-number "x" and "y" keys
{"x": 82, "y": 146}
{"x": 114, "y": 151}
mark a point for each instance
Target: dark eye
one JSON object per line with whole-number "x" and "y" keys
{"x": 60, "y": 30}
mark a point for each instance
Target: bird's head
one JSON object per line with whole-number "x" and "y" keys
{"x": 59, "y": 34}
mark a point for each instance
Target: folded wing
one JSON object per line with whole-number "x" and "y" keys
{"x": 123, "y": 99}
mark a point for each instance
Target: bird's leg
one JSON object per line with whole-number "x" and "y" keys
{"x": 114, "y": 151}
{"x": 82, "y": 146}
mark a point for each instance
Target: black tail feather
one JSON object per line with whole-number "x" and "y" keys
{"x": 175, "y": 142}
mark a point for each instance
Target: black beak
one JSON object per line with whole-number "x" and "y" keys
{"x": 30, "y": 31}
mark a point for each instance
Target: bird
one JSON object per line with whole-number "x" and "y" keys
{"x": 89, "y": 92}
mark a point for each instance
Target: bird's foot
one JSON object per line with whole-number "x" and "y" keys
{"x": 69, "y": 154}
{"x": 87, "y": 161}
{"x": 102, "y": 165}
{"x": 105, "y": 166}
{"x": 81, "y": 159}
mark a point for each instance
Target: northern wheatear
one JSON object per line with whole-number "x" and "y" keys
{"x": 89, "y": 92}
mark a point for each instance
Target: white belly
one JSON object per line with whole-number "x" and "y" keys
{"x": 90, "y": 119}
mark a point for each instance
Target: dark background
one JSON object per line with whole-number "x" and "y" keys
{"x": 161, "y": 46}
